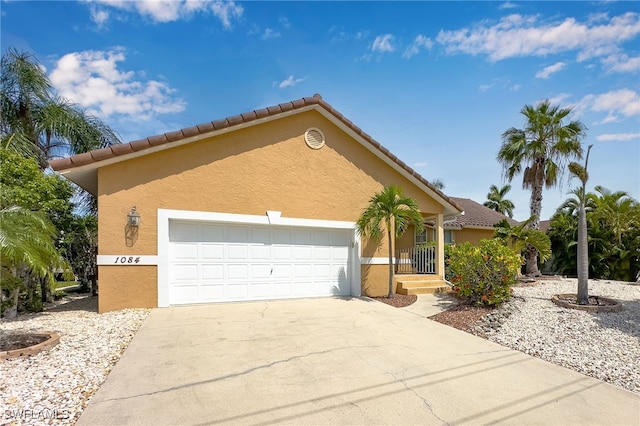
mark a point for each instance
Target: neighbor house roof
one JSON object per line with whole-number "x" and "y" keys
{"x": 475, "y": 216}
{"x": 82, "y": 168}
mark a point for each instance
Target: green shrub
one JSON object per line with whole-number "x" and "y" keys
{"x": 482, "y": 274}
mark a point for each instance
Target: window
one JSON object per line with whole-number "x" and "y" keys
{"x": 448, "y": 236}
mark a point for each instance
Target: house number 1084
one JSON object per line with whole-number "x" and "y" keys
{"x": 125, "y": 259}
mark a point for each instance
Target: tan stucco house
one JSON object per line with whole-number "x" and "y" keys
{"x": 256, "y": 206}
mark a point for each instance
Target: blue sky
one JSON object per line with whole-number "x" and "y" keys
{"x": 437, "y": 83}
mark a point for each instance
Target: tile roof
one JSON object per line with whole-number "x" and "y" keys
{"x": 476, "y": 216}
{"x": 90, "y": 159}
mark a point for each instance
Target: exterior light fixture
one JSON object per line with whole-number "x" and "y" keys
{"x": 133, "y": 218}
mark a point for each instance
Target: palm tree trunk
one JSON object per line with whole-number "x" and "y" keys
{"x": 389, "y": 225}
{"x": 583, "y": 258}
{"x": 535, "y": 207}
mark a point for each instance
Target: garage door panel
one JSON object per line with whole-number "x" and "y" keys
{"x": 211, "y": 232}
{"x": 216, "y": 262}
{"x": 237, "y": 291}
{"x": 237, "y": 252}
{"x": 281, "y": 252}
{"x": 184, "y": 294}
{"x": 210, "y": 251}
{"x": 260, "y": 271}
{"x": 259, "y": 290}
{"x": 212, "y": 271}
{"x": 212, "y": 292}
{"x": 259, "y": 252}
{"x": 185, "y": 272}
{"x": 238, "y": 271}
{"x": 182, "y": 251}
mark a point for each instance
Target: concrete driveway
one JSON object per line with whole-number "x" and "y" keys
{"x": 337, "y": 361}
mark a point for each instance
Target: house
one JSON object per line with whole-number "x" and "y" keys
{"x": 255, "y": 206}
{"x": 477, "y": 222}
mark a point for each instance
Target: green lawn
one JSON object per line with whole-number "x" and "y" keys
{"x": 61, "y": 284}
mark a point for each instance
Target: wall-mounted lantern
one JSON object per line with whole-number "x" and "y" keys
{"x": 133, "y": 218}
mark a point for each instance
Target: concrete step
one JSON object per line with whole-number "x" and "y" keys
{"x": 423, "y": 287}
{"x": 416, "y": 277}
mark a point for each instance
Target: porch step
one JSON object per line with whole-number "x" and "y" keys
{"x": 430, "y": 286}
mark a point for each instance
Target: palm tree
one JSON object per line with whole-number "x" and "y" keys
{"x": 542, "y": 149}
{"x": 393, "y": 209}
{"x": 583, "y": 250}
{"x": 520, "y": 237}
{"x": 36, "y": 122}
{"x": 26, "y": 240}
{"x": 438, "y": 183}
{"x": 496, "y": 201}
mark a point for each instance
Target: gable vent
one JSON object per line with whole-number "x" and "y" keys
{"x": 314, "y": 138}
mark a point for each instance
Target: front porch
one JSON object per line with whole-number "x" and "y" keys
{"x": 415, "y": 271}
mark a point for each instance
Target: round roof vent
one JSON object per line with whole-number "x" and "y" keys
{"x": 314, "y": 138}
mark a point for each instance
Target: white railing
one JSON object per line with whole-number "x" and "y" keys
{"x": 416, "y": 260}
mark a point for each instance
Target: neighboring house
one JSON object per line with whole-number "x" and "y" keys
{"x": 475, "y": 224}
{"x": 256, "y": 206}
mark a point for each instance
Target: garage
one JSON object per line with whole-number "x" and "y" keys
{"x": 212, "y": 262}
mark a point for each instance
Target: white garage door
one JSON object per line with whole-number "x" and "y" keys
{"x": 215, "y": 262}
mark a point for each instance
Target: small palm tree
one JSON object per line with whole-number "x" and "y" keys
{"x": 520, "y": 237}
{"x": 26, "y": 239}
{"x": 496, "y": 200}
{"x": 393, "y": 209}
{"x": 583, "y": 250}
{"x": 540, "y": 151}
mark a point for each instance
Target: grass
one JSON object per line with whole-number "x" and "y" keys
{"x": 61, "y": 284}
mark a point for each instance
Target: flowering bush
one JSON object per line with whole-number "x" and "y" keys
{"x": 482, "y": 274}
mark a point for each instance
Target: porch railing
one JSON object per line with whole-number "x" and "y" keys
{"x": 416, "y": 260}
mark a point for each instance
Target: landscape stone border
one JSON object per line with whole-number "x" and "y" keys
{"x": 615, "y": 307}
{"x": 53, "y": 339}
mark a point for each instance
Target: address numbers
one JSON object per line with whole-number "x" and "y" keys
{"x": 127, "y": 260}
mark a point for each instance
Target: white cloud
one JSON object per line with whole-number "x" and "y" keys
{"x": 517, "y": 35}
{"x": 92, "y": 79}
{"x": 420, "y": 164}
{"x": 383, "y": 43}
{"x": 420, "y": 42}
{"x": 484, "y": 87}
{"x": 618, "y": 137}
{"x": 289, "y": 82}
{"x": 616, "y": 104}
{"x": 168, "y": 10}
{"x": 270, "y": 33}
{"x": 508, "y": 5}
{"x": 621, "y": 63}
{"x": 551, "y": 69}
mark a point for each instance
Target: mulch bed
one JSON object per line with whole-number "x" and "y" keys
{"x": 462, "y": 317}
{"x": 398, "y": 300}
{"x": 10, "y": 342}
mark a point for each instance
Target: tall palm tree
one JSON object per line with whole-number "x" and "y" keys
{"x": 540, "y": 151}
{"x": 36, "y": 122}
{"x": 393, "y": 209}
{"x": 583, "y": 250}
{"x": 496, "y": 200}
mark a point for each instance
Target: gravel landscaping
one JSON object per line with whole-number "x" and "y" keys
{"x": 601, "y": 345}
{"x": 53, "y": 387}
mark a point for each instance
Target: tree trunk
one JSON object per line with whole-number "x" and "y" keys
{"x": 389, "y": 225}
{"x": 535, "y": 207}
{"x": 583, "y": 258}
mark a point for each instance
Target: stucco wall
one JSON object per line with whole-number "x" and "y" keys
{"x": 472, "y": 235}
{"x": 247, "y": 171}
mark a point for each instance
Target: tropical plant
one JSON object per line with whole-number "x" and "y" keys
{"x": 482, "y": 274}
{"x": 613, "y": 225}
{"x": 540, "y": 152}
{"x": 36, "y": 122}
{"x": 583, "y": 250}
{"x": 26, "y": 241}
{"x": 496, "y": 200}
{"x": 395, "y": 211}
{"x": 438, "y": 183}
{"x": 520, "y": 237}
